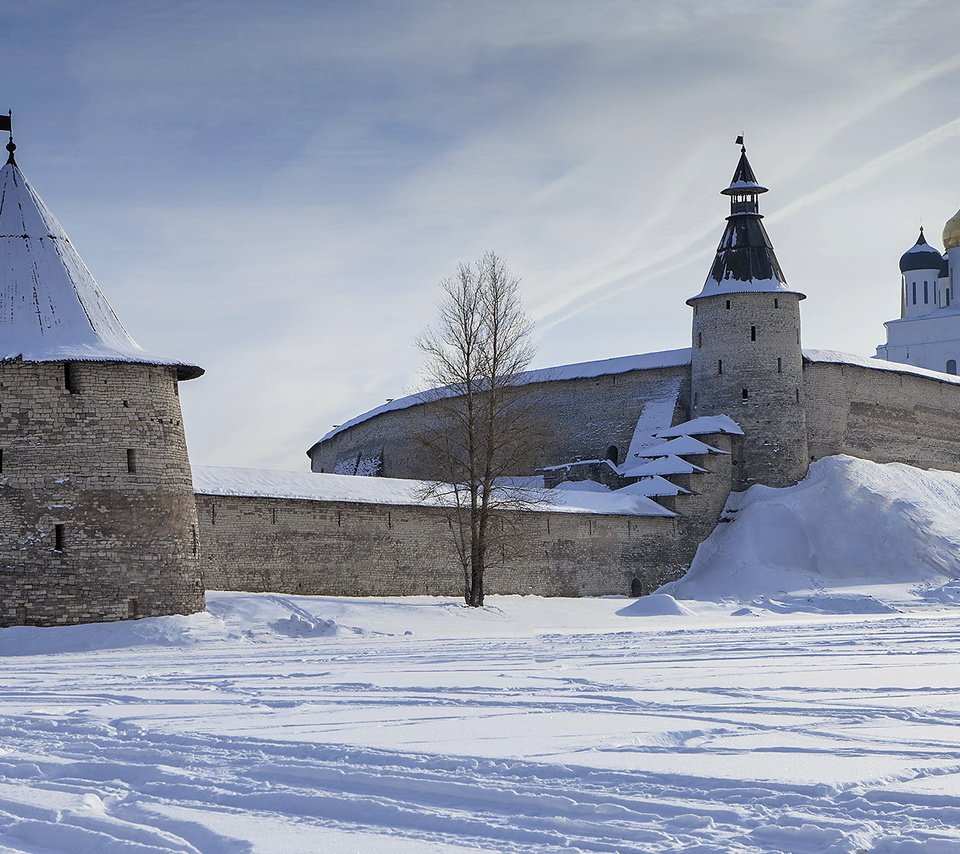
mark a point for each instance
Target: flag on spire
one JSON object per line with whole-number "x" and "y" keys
{"x": 6, "y": 123}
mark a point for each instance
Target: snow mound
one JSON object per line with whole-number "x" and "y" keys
{"x": 850, "y": 523}
{"x": 656, "y": 605}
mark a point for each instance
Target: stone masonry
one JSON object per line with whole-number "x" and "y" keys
{"x": 97, "y": 497}
{"x": 350, "y": 549}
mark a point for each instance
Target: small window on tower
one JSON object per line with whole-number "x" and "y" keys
{"x": 728, "y": 305}
{"x": 131, "y": 460}
{"x": 779, "y": 365}
{"x": 914, "y": 293}
{"x": 699, "y": 339}
{"x": 753, "y": 333}
{"x": 926, "y": 293}
{"x": 776, "y": 302}
{"x": 69, "y": 380}
{"x": 745, "y": 393}
{"x": 719, "y": 366}
{"x": 58, "y": 538}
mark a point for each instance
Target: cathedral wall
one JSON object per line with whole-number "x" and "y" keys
{"x": 128, "y": 541}
{"x": 882, "y": 416}
{"x": 585, "y": 416}
{"x": 350, "y": 549}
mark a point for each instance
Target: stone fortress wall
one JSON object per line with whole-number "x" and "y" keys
{"x": 884, "y": 415}
{"x": 96, "y": 495}
{"x": 340, "y": 548}
{"x": 334, "y": 548}
{"x": 586, "y": 417}
{"x": 879, "y": 414}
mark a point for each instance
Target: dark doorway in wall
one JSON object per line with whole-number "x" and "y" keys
{"x": 952, "y": 366}
{"x": 613, "y": 454}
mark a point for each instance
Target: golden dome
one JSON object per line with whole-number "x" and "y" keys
{"x": 951, "y": 232}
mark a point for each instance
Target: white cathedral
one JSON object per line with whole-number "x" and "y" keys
{"x": 927, "y": 333}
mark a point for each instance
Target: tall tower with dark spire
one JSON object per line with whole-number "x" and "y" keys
{"x": 96, "y": 498}
{"x": 746, "y": 359}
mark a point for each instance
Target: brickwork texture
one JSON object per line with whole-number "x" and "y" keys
{"x": 96, "y": 496}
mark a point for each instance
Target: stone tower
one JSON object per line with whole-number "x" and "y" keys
{"x": 746, "y": 358}
{"x": 96, "y": 496}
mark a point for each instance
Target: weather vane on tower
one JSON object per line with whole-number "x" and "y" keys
{"x": 6, "y": 124}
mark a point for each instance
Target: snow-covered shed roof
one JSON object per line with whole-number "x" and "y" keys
{"x": 310, "y": 486}
{"x": 653, "y": 487}
{"x": 662, "y": 466}
{"x": 51, "y": 308}
{"x": 703, "y": 426}
{"x": 682, "y": 446}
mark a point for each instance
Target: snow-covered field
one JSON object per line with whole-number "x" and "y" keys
{"x": 276, "y": 723}
{"x": 816, "y": 710}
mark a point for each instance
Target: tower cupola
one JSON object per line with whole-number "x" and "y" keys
{"x": 745, "y": 261}
{"x": 920, "y": 256}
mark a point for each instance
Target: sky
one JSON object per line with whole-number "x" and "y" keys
{"x": 275, "y": 191}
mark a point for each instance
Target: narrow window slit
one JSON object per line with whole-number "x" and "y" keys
{"x": 69, "y": 378}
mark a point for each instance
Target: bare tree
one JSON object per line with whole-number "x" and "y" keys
{"x": 485, "y": 425}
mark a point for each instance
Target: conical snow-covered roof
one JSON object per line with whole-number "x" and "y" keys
{"x": 51, "y": 308}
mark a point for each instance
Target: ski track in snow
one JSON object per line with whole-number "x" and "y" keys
{"x": 696, "y": 739}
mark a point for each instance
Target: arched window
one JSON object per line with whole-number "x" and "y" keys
{"x": 952, "y": 366}
{"x": 613, "y": 454}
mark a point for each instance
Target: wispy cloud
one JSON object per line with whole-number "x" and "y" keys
{"x": 276, "y": 190}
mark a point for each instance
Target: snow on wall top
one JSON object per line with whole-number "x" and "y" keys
{"x": 642, "y": 362}
{"x": 838, "y": 358}
{"x": 309, "y": 486}
{"x": 580, "y": 370}
{"x": 51, "y": 308}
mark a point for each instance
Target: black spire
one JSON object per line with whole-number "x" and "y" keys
{"x": 745, "y": 253}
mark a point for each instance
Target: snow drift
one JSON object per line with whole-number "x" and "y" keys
{"x": 849, "y": 523}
